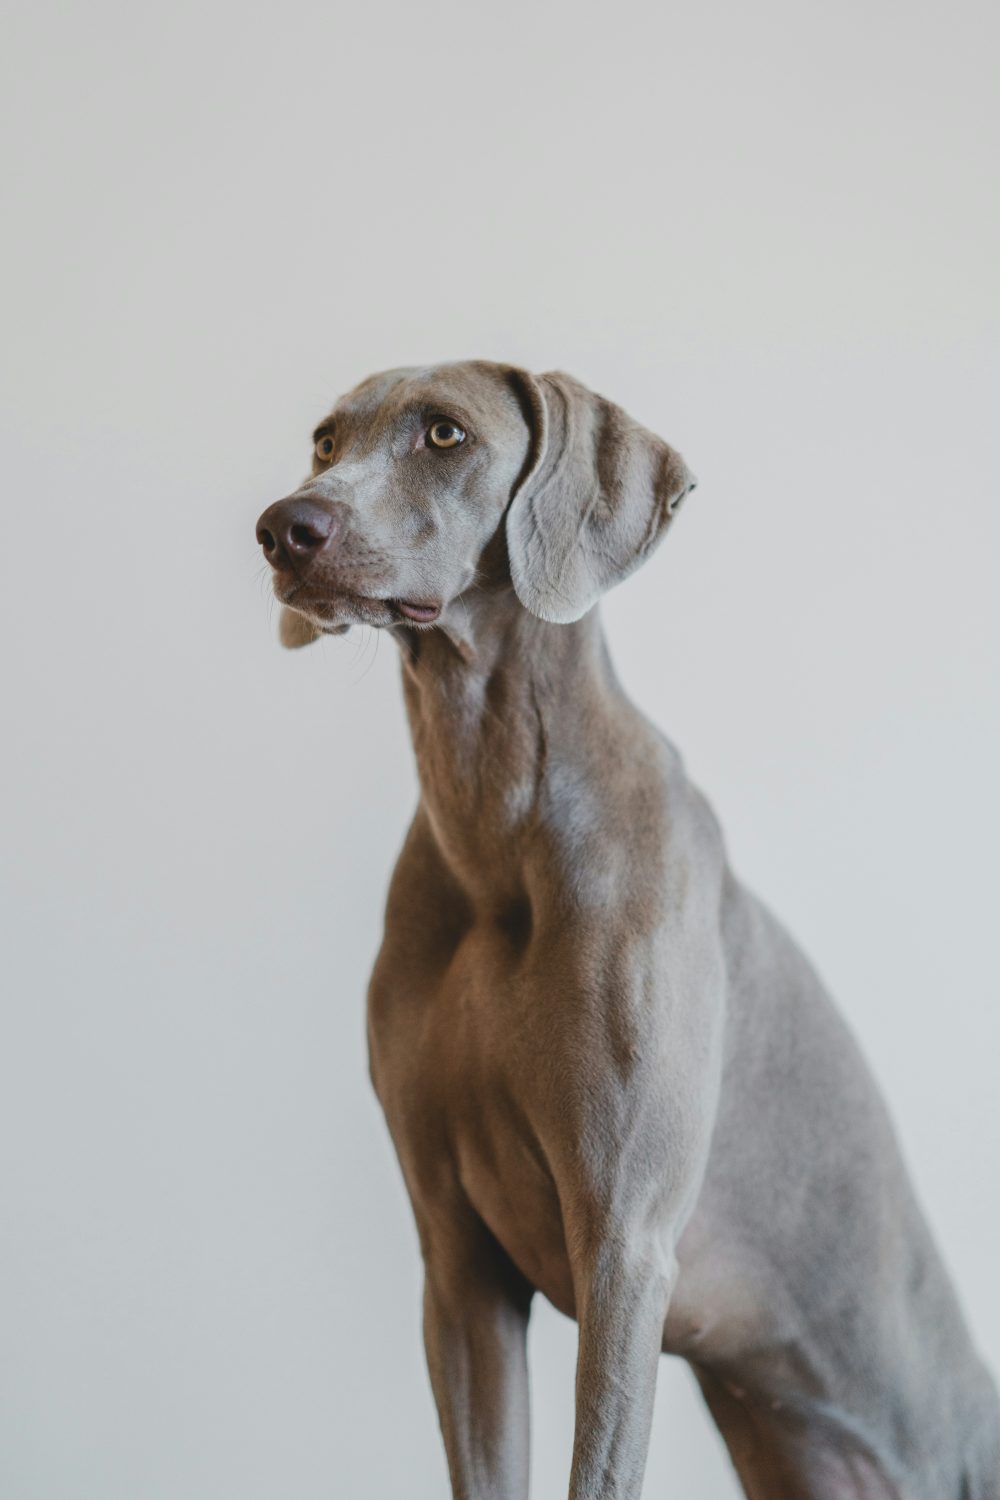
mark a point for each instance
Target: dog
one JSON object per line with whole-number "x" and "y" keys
{"x": 609, "y": 1074}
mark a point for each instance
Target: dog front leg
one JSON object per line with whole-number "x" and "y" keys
{"x": 622, "y": 1294}
{"x": 476, "y": 1307}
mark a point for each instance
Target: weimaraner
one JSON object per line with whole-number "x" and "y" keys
{"x": 609, "y": 1073}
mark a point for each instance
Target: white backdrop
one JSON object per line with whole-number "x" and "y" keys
{"x": 771, "y": 232}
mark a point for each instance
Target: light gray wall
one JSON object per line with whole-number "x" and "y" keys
{"x": 770, "y": 231}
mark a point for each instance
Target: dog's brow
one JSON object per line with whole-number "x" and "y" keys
{"x": 324, "y": 428}
{"x": 441, "y": 405}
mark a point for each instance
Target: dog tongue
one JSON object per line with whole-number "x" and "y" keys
{"x": 422, "y": 613}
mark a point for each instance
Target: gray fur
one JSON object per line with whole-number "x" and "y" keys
{"x": 609, "y": 1074}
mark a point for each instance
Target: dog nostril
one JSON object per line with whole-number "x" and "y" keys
{"x": 304, "y": 538}
{"x": 266, "y": 539}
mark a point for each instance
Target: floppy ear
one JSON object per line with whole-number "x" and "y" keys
{"x": 598, "y": 494}
{"x": 295, "y": 630}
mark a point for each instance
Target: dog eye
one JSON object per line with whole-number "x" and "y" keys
{"x": 324, "y": 449}
{"x": 444, "y": 433}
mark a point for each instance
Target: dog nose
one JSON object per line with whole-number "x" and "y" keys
{"x": 292, "y": 531}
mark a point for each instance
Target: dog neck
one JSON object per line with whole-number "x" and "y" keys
{"x": 513, "y": 721}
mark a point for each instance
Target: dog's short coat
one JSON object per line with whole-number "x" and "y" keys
{"x": 609, "y": 1074}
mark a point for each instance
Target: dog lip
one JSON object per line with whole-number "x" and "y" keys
{"x": 421, "y": 612}
{"x": 304, "y": 595}
{"x": 298, "y": 591}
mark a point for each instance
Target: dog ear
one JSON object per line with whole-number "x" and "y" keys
{"x": 597, "y": 495}
{"x": 294, "y": 630}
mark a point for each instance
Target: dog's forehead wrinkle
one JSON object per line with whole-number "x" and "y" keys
{"x": 472, "y": 383}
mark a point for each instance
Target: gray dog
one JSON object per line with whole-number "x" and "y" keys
{"x": 609, "y": 1074}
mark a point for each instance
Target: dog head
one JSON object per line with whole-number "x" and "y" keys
{"x": 428, "y": 483}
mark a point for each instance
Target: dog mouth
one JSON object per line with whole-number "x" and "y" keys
{"x": 342, "y": 609}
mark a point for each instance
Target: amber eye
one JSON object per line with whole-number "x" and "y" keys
{"x": 444, "y": 433}
{"x": 324, "y": 449}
